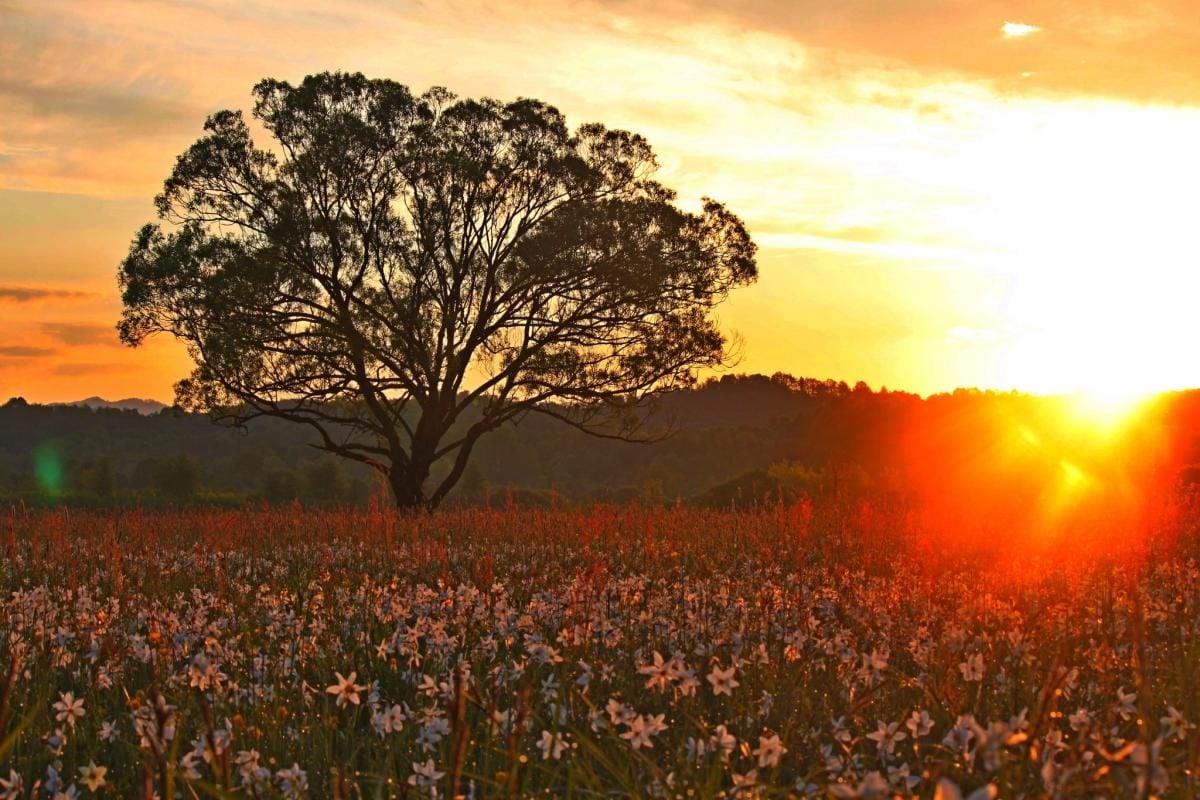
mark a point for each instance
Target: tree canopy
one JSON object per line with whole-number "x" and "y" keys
{"x": 392, "y": 262}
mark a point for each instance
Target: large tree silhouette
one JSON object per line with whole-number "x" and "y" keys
{"x": 405, "y": 273}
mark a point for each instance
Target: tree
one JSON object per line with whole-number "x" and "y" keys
{"x": 326, "y": 483}
{"x": 404, "y": 274}
{"x": 178, "y": 477}
{"x": 97, "y": 477}
{"x": 281, "y": 486}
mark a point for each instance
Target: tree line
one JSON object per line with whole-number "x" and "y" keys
{"x": 735, "y": 440}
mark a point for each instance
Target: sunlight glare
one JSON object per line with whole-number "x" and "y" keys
{"x": 1108, "y": 408}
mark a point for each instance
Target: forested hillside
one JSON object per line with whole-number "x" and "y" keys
{"x": 733, "y": 440}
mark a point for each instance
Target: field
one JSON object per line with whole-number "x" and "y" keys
{"x": 835, "y": 649}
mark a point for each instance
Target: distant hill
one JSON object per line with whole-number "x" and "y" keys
{"x": 734, "y": 440}
{"x": 722, "y": 429}
{"x": 137, "y": 404}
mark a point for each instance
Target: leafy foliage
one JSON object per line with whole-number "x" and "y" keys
{"x": 395, "y": 260}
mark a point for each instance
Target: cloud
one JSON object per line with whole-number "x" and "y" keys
{"x": 100, "y": 98}
{"x": 26, "y": 294}
{"x": 1015, "y": 30}
{"x": 97, "y": 109}
{"x": 80, "y": 333}
{"x": 87, "y": 368}
{"x": 23, "y": 351}
{"x": 1142, "y": 51}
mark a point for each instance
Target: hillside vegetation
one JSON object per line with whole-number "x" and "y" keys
{"x": 737, "y": 440}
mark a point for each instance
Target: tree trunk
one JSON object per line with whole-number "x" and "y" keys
{"x": 408, "y": 489}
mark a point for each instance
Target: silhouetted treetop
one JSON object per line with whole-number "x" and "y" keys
{"x": 394, "y": 259}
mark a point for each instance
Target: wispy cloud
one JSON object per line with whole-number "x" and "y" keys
{"x": 1017, "y": 30}
{"x": 1147, "y": 46}
{"x": 80, "y": 333}
{"x": 88, "y": 368}
{"x": 23, "y": 351}
{"x": 27, "y": 294}
{"x": 99, "y": 98}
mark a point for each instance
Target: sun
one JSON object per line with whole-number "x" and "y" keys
{"x": 1103, "y": 377}
{"x": 1104, "y": 373}
{"x": 1086, "y": 250}
{"x": 1108, "y": 408}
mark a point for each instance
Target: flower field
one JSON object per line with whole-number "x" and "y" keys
{"x": 832, "y": 651}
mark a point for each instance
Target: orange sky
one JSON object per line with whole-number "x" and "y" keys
{"x": 942, "y": 200}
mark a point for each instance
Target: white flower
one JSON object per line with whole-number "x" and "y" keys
{"x": 638, "y": 734}
{"x": 687, "y": 682}
{"x": 1175, "y": 725}
{"x": 962, "y": 734}
{"x": 886, "y": 736}
{"x": 203, "y": 674}
{"x": 390, "y": 720}
{"x": 251, "y": 772}
{"x": 659, "y": 672}
{"x": 68, "y": 709}
{"x": 724, "y": 741}
{"x": 902, "y": 779}
{"x": 876, "y": 661}
{"x": 431, "y": 733}
{"x": 191, "y": 762}
{"x": 425, "y": 776}
{"x": 428, "y": 686}
{"x": 745, "y": 785}
{"x": 769, "y": 750}
{"x": 972, "y": 668}
{"x": 108, "y": 731}
{"x": 92, "y": 776}
{"x": 543, "y": 653}
{"x": 722, "y": 680}
{"x": 551, "y": 745}
{"x": 13, "y": 788}
{"x": 642, "y": 728}
{"x": 1126, "y": 703}
{"x": 293, "y": 782}
{"x": 346, "y": 689}
{"x": 919, "y": 724}
{"x": 618, "y": 712}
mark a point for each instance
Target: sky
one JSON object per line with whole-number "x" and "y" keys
{"x": 945, "y": 192}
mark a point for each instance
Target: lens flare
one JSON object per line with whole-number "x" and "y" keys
{"x": 48, "y": 469}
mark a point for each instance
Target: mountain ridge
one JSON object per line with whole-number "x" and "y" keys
{"x": 141, "y": 405}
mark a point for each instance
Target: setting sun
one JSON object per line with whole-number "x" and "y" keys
{"x": 1108, "y": 408}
